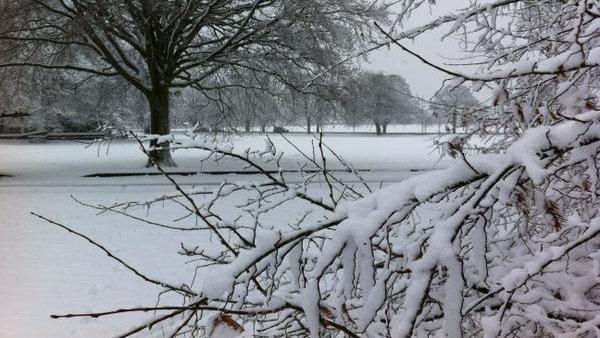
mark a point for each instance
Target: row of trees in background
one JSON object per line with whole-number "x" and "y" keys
{"x": 360, "y": 98}
{"x": 78, "y": 103}
{"x": 71, "y": 103}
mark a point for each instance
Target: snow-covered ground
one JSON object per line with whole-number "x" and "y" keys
{"x": 44, "y": 270}
{"x": 392, "y": 128}
{"x": 364, "y": 128}
{"x": 64, "y": 163}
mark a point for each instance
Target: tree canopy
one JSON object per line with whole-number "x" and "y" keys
{"x": 379, "y": 99}
{"x": 454, "y": 105}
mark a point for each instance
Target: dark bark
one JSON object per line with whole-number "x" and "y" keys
{"x": 453, "y": 122}
{"x": 377, "y": 128}
{"x": 308, "y": 124}
{"x": 158, "y": 101}
{"x": 384, "y": 127}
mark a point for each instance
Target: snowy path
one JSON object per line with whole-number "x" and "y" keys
{"x": 44, "y": 270}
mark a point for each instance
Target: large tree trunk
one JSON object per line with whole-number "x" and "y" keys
{"x": 160, "y": 125}
{"x": 453, "y": 122}
{"x": 377, "y": 128}
{"x": 308, "y": 124}
{"x": 384, "y": 127}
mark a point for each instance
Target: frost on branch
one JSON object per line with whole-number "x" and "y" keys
{"x": 511, "y": 246}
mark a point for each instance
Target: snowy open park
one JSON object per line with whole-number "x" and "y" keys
{"x": 300, "y": 168}
{"x": 46, "y": 270}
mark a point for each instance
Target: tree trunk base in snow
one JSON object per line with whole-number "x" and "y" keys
{"x": 162, "y": 157}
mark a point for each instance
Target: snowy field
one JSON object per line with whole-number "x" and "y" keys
{"x": 392, "y": 128}
{"x": 44, "y": 270}
{"x": 366, "y": 128}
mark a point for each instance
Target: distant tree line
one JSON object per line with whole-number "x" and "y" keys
{"x": 358, "y": 98}
{"x": 76, "y": 103}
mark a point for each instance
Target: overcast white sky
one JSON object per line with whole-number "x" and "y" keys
{"x": 423, "y": 80}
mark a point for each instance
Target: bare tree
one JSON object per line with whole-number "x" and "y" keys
{"x": 157, "y": 46}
